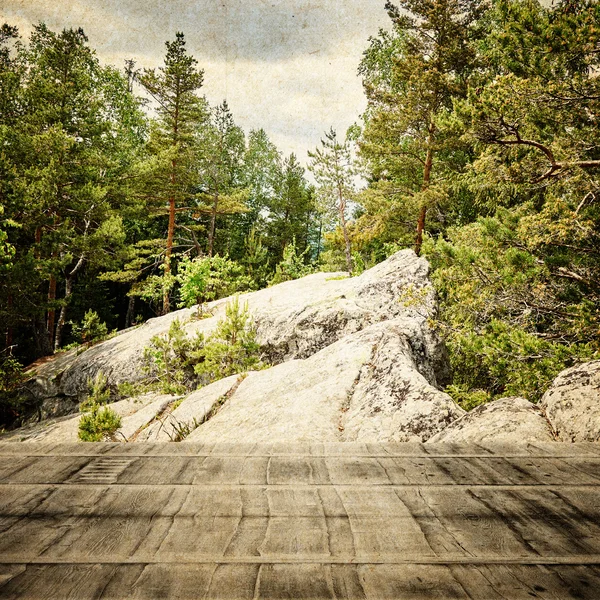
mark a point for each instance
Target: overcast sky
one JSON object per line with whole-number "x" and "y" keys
{"x": 288, "y": 66}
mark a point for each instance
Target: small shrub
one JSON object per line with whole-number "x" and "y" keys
{"x": 209, "y": 278}
{"x": 98, "y": 424}
{"x": 468, "y": 399}
{"x": 292, "y": 266}
{"x": 232, "y": 348}
{"x": 179, "y": 362}
{"x": 99, "y": 421}
{"x": 91, "y": 329}
{"x": 11, "y": 379}
{"x": 169, "y": 359}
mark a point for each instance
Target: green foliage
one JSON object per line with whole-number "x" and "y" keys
{"x": 99, "y": 393}
{"x": 508, "y": 361}
{"x": 466, "y": 398}
{"x": 232, "y": 348}
{"x": 91, "y": 329}
{"x": 98, "y": 422}
{"x": 179, "y": 362}
{"x": 170, "y": 359}
{"x": 512, "y": 321}
{"x": 209, "y": 278}
{"x": 293, "y": 265}
{"x": 10, "y": 372}
{"x": 11, "y": 378}
{"x": 333, "y": 166}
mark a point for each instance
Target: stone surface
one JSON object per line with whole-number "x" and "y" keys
{"x": 134, "y": 412}
{"x": 176, "y": 425}
{"x": 294, "y": 320}
{"x": 321, "y": 521}
{"x": 508, "y": 420}
{"x": 365, "y": 387}
{"x": 572, "y": 403}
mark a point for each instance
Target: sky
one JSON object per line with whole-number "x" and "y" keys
{"x": 288, "y": 66}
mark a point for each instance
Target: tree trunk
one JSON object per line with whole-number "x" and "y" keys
{"x": 130, "y": 312}
{"x": 213, "y": 225}
{"x": 170, "y": 235}
{"x": 70, "y": 279}
{"x": 425, "y": 186}
{"x": 319, "y": 240}
{"x": 41, "y": 337}
{"x": 51, "y": 312}
{"x": 349, "y": 265}
{"x": 348, "y": 250}
{"x": 9, "y": 329}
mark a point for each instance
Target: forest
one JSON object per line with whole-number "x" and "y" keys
{"x": 125, "y": 195}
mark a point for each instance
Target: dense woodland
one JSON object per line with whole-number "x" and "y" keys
{"x": 125, "y": 195}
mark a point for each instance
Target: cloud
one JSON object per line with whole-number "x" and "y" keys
{"x": 288, "y": 66}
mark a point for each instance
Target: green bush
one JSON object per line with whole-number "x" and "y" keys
{"x": 511, "y": 321}
{"x": 179, "y": 362}
{"x": 169, "y": 359}
{"x": 98, "y": 424}
{"x": 98, "y": 421}
{"x": 292, "y": 266}
{"x": 11, "y": 378}
{"x": 91, "y": 329}
{"x": 232, "y": 348}
{"x": 210, "y": 278}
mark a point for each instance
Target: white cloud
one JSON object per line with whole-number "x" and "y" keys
{"x": 288, "y": 66}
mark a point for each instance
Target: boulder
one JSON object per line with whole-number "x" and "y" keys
{"x": 572, "y": 403}
{"x": 294, "y": 320}
{"x": 365, "y": 387}
{"x": 505, "y": 421}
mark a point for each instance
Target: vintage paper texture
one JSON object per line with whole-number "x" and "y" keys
{"x": 288, "y": 66}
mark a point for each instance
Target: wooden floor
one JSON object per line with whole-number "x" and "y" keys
{"x": 352, "y": 521}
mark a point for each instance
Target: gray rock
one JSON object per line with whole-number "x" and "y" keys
{"x": 364, "y": 387}
{"x": 134, "y": 413}
{"x": 505, "y": 421}
{"x": 572, "y": 403}
{"x": 295, "y": 319}
{"x": 172, "y": 426}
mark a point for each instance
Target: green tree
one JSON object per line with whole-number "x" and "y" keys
{"x": 68, "y": 158}
{"x": 412, "y": 76}
{"x": 221, "y": 148}
{"x": 180, "y": 112}
{"x": 209, "y": 278}
{"x": 291, "y": 210}
{"x": 334, "y": 170}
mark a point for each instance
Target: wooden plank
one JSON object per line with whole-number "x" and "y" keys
{"x": 305, "y": 520}
{"x": 356, "y": 471}
{"x": 47, "y": 469}
{"x": 546, "y": 527}
{"x": 276, "y": 582}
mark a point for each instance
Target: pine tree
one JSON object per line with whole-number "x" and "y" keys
{"x": 334, "y": 171}
{"x": 411, "y": 78}
{"x": 290, "y": 209}
{"x": 180, "y": 111}
{"x": 221, "y": 147}
{"x": 67, "y": 156}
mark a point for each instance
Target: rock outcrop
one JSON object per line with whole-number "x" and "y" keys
{"x": 136, "y": 414}
{"x": 354, "y": 359}
{"x": 572, "y": 403}
{"x": 506, "y": 421}
{"x": 364, "y": 387}
{"x": 295, "y": 319}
